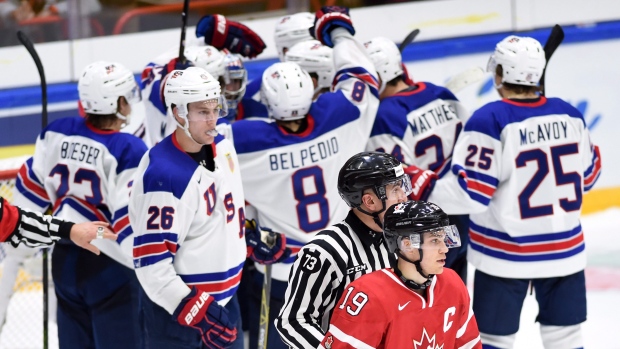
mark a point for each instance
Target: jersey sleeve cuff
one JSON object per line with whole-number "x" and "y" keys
{"x": 64, "y": 230}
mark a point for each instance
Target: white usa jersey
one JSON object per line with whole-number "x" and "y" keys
{"x": 521, "y": 168}
{"x": 157, "y": 121}
{"x": 189, "y": 223}
{"x": 291, "y": 179}
{"x": 419, "y": 126}
{"x": 85, "y": 174}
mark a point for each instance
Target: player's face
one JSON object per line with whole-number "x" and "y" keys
{"x": 202, "y": 118}
{"x": 233, "y": 86}
{"x": 396, "y": 193}
{"x": 434, "y": 252}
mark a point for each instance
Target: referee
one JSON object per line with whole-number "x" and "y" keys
{"x": 369, "y": 182}
{"x": 18, "y": 225}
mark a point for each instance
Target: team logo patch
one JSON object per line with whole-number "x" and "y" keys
{"x": 109, "y": 69}
{"x": 231, "y": 162}
{"x": 329, "y": 341}
{"x": 426, "y": 342}
{"x": 275, "y": 75}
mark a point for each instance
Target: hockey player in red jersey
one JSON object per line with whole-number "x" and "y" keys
{"x": 418, "y": 303}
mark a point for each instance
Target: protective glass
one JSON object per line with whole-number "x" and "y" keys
{"x": 399, "y": 188}
{"x": 491, "y": 64}
{"x": 432, "y": 239}
{"x": 207, "y": 110}
{"x": 134, "y": 95}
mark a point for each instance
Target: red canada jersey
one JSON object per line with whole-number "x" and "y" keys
{"x": 379, "y": 311}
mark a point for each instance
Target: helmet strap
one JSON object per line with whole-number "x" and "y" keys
{"x": 183, "y": 115}
{"x": 410, "y": 283}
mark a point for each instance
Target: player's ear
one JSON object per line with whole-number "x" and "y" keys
{"x": 369, "y": 202}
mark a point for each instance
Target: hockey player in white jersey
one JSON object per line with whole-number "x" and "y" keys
{"x": 83, "y": 169}
{"x": 520, "y": 168}
{"x": 418, "y": 123}
{"x": 317, "y": 60}
{"x": 158, "y": 121}
{"x": 188, "y": 211}
{"x": 289, "y": 30}
{"x": 301, "y": 150}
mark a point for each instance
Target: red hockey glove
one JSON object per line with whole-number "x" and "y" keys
{"x": 327, "y": 19}
{"x": 226, "y": 34}
{"x": 422, "y": 181}
{"x": 259, "y": 247}
{"x": 200, "y": 311}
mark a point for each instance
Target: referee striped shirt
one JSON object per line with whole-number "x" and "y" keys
{"x": 33, "y": 229}
{"x": 323, "y": 268}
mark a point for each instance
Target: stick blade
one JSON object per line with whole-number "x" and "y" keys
{"x": 408, "y": 39}
{"x": 465, "y": 78}
{"x": 553, "y": 42}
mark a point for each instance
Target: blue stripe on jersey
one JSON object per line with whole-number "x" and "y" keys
{"x": 157, "y": 237}
{"x": 150, "y": 260}
{"x": 538, "y": 238}
{"x": 209, "y": 277}
{"x": 224, "y": 295}
{"x": 121, "y": 212}
{"x": 30, "y": 195}
{"x": 329, "y": 111}
{"x": 83, "y": 210}
{"x": 155, "y": 97}
{"x": 393, "y": 110}
{"x": 361, "y": 74}
{"x": 127, "y": 149}
{"x": 169, "y": 169}
{"x": 527, "y": 258}
{"x": 493, "y": 117}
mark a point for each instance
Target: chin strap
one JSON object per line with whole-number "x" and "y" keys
{"x": 375, "y": 215}
{"x": 410, "y": 283}
{"x": 126, "y": 119}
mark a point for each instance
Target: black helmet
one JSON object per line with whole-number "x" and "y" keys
{"x": 368, "y": 170}
{"x": 411, "y": 217}
{"x": 409, "y": 220}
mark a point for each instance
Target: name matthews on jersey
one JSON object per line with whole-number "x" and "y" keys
{"x": 440, "y": 114}
{"x": 314, "y": 153}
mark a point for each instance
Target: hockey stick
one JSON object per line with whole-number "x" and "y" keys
{"x": 269, "y": 238}
{"x": 408, "y": 39}
{"x": 464, "y": 79}
{"x": 183, "y": 26}
{"x": 23, "y": 38}
{"x": 553, "y": 42}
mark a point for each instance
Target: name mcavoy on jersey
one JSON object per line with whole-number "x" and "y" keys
{"x": 544, "y": 132}
{"x": 301, "y": 157}
{"x": 438, "y": 114}
{"x": 79, "y": 152}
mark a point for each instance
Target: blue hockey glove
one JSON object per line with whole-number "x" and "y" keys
{"x": 265, "y": 246}
{"x": 327, "y": 19}
{"x": 423, "y": 182}
{"x": 225, "y": 34}
{"x": 199, "y": 310}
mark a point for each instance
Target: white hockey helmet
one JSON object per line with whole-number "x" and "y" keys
{"x": 234, "y": 70}
{"x": 314, "y": 57}
{"x": 193, "y": 84}
{"x": 386, "y": 58}
{"x": 102, "y": 83}
{"x": 287, "y": 91}
{"x": 292, "y": 29}
{"x": 208, "y": 58}
{"x": 522, "y": 60}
